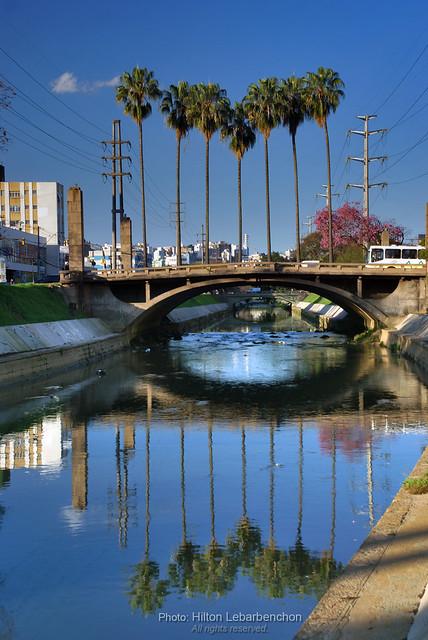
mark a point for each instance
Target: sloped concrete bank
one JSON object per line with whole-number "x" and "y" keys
{"x": 379, "y": 592}
{"x": 410, "y": 338}
{"x": 325, "y": 317}
{"x": 39, "y": 349}
{"x": 34, "y": 350}
{"x": 196, "y": 318}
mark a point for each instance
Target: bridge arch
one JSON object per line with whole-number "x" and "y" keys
{"x": 153, "y": 311}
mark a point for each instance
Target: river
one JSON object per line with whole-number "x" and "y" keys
{"x": 201, "y": 485}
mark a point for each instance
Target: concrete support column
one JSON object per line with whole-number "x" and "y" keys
{"x": 147, "y": 291}
{"x": 126, "y": 243}
{"x": 359, "y": 287}
{"x": 75, "y": 229}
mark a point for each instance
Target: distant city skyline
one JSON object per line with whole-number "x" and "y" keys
{"x": 70, "y": 57}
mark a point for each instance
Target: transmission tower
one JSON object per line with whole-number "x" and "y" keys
{"x": 116, "y": 174}
{"x": 325, "y": 195}
{"x": 366, "y": 159}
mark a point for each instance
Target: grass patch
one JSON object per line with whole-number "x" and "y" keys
{"x": 417, "y": 485}
{"x": 314, "y": 298}
{"x": 27, "y": 303}
{"x": 200, "y": 301}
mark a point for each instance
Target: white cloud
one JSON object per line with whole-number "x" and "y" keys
{"x": 67, "y": 82}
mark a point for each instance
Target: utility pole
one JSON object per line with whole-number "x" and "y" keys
{"x": 325, "y": 195}
{"x": 309, "y": 223}
{"x": 116, "y": 175}
{"x": 176, "y": 216}
{"x": 202, "y": 241}
{"x": 366, "y": 159}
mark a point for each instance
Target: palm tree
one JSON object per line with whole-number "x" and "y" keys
{"x": 174, "y": 106}
{"x": 208, "y": 110}
{"x": 242, "y": 138}
{"x": 262, "y": 108}
{"x": 294, "y": 110}
{"x": 137, "y": 90}
{"x": 325, "y": 90}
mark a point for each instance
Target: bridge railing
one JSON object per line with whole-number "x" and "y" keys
{"x": 247, "y": 267}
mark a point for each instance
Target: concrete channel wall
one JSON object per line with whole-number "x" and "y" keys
{"x": 42, "y": 348}
{"x": 327, "y": 317}
{"x": 410, "y": 338}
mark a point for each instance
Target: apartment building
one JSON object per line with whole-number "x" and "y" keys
{"x": 34, "y": 207}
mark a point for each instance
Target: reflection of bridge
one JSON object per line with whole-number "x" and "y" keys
{"x": 380, "y": 294}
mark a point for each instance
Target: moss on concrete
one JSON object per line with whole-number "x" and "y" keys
{"x": 27, "y": 303}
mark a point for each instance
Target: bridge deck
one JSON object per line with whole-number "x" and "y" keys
{"x": 250, "y": 270}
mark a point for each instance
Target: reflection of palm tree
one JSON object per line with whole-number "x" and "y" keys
{"x": 246, "y": 539}
{"x": 147, "y": 590}
{"x": 300, "y": 512}
{"x": 333, "y": 494}
{"x": 369, "y": 446}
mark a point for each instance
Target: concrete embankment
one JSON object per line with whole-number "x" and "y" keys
{"x": 410, "y": 338}
{"x": 379, "y": 592}
{"x": 322, "y": 314}
{"x": 198, "y": 317}
{"x": 41, "y": 348}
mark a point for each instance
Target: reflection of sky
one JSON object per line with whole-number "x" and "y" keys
{"x": 259, "y": 357}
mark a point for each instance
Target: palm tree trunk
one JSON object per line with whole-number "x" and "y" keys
{"x": 296, "y": 191}
{"x": 207, "y": 201}
{"x": 268, "y": 242}
{"x": 143, "y": 197}
{"x": 239, "y": 212}
{"x": 178, "y": 221}
{"x": 329, "y": 206}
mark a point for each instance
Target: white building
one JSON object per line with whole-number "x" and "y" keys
{"x": 35, "y": 207}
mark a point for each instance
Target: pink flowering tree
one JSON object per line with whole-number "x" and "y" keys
{"x": 351, "y": 227}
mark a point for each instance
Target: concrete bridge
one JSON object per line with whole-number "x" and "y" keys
{"x": 138, "y": 299}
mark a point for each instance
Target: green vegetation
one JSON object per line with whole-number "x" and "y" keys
{"x": 200, "y": 301}
{"x": 314, "y": 298}
{"x": 25, "y": 303}
{"x": 417, "y": 485}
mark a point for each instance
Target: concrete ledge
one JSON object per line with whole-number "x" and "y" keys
{"x": 378, "y": 594}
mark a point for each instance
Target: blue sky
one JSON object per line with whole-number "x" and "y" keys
{"x": 371, "y": 44}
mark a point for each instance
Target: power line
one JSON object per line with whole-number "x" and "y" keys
{"x": 55, "y": 138}
{"x": 72, "y": 164}
{"x": 53, "y": 95}
{"x": 28, "y": 135}
{"x": 406, "y": 75}
{"x": 26, "y": 98}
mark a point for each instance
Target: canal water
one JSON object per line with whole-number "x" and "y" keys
{"x": 219, "y": 481}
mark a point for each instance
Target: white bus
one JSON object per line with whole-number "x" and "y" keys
{"x": 396, "y": 254}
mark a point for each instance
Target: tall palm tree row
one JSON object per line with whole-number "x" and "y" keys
{"x": 241, "y": 138}
{"x": 175, "y": 105}
{"x": 270, "y": 102}
{"x": 263, "y": 107}
{"x": 137, "y": 90}
{"x": 208, "y": 110}
{"x": 325, "y": 91}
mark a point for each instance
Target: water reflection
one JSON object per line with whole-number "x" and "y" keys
{"x": 194, "y": 485}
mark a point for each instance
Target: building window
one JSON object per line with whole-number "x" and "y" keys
{"x": 34, "y": 192}
{"x": 27, "y": 206}
{"x": 34, "y": 206}
{"x": 14, "y": 194}
{"x": 15, "y": 208}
